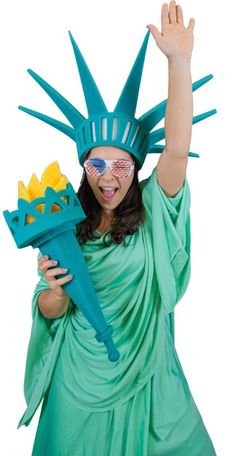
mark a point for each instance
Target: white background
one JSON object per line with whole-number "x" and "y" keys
{"x": 34, "y": 34}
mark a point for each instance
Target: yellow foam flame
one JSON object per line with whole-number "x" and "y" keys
{"x": 51, "y": 177}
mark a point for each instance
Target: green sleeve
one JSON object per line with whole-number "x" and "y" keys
{"x": 168, "y": 222}
{"x": 43, "y": 349}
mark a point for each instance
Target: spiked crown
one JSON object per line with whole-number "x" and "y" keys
{"x": 119, "y": 128}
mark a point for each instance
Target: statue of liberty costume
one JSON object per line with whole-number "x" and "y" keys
{"x": 142, "y": 404}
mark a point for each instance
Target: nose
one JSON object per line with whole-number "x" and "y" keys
{"x": 108, "y": 174}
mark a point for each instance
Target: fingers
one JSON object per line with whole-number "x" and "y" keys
{"x": 51, "y": 273}
{"x": 55, "y": 283}
{"x": 44, "y": 263}
{"x": 164, "y": 16}
{"x": 47, "y": 267}
{"x": 179, "y": 14}
{"x": 42, "y": 258}
{"x": 172, "y": 13}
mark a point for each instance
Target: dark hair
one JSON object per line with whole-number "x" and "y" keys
{"x": 129, "y": 214}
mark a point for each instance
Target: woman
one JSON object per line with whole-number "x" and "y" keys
{"x": 136, "y": 242}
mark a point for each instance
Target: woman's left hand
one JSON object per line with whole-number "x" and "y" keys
{"x": 175, "y": 40}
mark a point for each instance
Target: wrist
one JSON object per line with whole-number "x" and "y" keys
{"x": 179, "y": 61}
{"x": 51, "y": 305}
{"x": 61, "y": 299}
{"x": 61, "y": 304}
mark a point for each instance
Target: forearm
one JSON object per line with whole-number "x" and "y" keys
{"x": 179, "y": 111}
{"x": 52, "y": 306}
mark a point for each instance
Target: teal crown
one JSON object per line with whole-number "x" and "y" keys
{"x": 119, "y": 128}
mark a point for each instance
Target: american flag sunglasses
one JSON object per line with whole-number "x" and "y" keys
{"x": 119, "y": 168}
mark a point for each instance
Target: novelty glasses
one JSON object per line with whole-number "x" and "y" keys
{"x": 119, "y": 168}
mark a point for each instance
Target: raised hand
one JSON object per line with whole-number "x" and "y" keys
{"x": 174, "y": 40}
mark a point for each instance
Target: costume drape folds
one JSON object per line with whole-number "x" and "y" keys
{"x": 138, "y": 286}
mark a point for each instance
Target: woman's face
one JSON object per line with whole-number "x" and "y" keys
{"x": 107, "y": 181}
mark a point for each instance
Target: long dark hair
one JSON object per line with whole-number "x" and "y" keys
{"x": 129, "y": 214}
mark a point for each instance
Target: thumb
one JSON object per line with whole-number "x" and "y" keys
{"x": 191, "y": 24}
{"x": 155, "y": 32}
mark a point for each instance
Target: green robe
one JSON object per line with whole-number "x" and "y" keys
{"x": 142, "y": 404}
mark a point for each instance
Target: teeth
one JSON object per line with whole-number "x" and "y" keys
{"x": 109, "y": 188}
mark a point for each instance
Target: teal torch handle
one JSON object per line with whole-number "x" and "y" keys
{"x": 62, "y": 245}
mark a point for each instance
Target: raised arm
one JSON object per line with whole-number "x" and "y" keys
{"x": 176, "y": 42}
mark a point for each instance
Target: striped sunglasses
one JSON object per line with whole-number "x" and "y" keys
{"x": 119, "y": 167}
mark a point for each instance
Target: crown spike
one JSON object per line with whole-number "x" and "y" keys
{"x": 156, "y": 136}
{"x": 203, "y": 116}
{"x": 129, "y": 96}
{"x": 159, "y": 134}
{"x": 53, "y": 122}
{"x": 71, "y": 113}
{"x": 197, "y": 84}
{"x": 152, "y": 117}
{"x": 93, "y": 98}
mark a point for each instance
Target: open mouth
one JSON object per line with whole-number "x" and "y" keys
{"x": 107, "y": 192}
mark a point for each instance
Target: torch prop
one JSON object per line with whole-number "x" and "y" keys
{"x": 49, "y": 223}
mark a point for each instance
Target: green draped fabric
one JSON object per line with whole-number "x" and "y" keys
{"x": 142, "y": 404}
